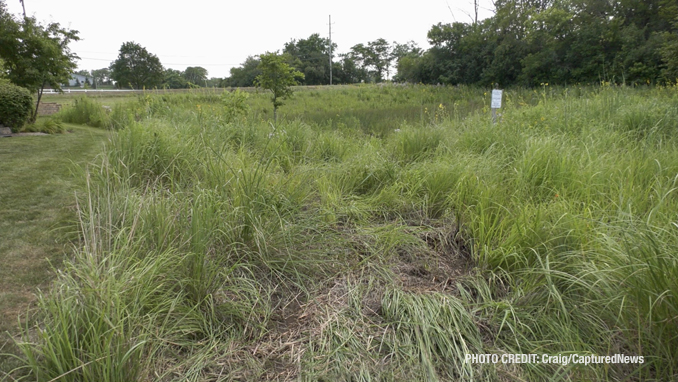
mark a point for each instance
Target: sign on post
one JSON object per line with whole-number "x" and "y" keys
{"x": 496, "y": 103}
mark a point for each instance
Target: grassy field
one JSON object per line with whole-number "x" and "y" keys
{"x": 373, "y": 233}
{"x": 37, "y": 211}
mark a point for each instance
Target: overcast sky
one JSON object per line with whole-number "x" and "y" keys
{"x": 219, "y": 35}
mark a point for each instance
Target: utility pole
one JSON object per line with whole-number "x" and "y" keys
{"x": 24, "y": 7}
{"x": 330, "y": 49}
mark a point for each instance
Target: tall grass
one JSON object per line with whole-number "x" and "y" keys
{"x": 312, "y": 244}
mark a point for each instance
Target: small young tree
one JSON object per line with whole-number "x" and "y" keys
{"x": 277, "y": 76}
{"x": 35, "y": 55}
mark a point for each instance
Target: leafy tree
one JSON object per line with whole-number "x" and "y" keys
{"x": 373, "y": 59}
{"x": 406, "y": 60}
{"x": 174, "y": 79}
{"x": 278, "y": 77}
{"x": 669, "y": 52}
{"x": 3, "y": 71}
{"x": 214, "y": 82}
{"x": 196, "y": 75}
{"x": 102, "y": 76}
{"x": 530, "y": 42}
{"x": 409, "y": 48}
{"x": 380, "y": 57}
{"x": 35, "y": 55}
{"x": 136, "y": 67}
{"x": 360, "y": 57}
{"x": 311, "y": 56}
{"x": 244, "y": 75}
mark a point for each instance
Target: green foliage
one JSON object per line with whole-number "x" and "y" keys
{"x": 235, "y": 105}
{"x": 196, "y": 75}
{"x": 174, "y": 79}
{"x": 245, "y": 75}
{"x": 102, "y": 76}
{"x": 36, "y": 55}
{"x": 669, "y": 52}
{"x": 564, "y": 42}
{"x": 311, "y": 57}
{"x": 278, "y": 77}
{"x": 136, "y": 67}
{"x": 85, "y": 111}
{"x": 51, "y": 125}
{"x": 16, "y": 106}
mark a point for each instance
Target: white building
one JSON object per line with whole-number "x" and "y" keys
{"x": 80, "y": 80}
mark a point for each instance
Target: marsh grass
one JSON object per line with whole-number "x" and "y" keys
{"x": 311, "y": 243}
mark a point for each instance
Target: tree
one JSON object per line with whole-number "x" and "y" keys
{"x": 196, "y": 75}
{"x": 245, "y": 74}
{"x": 35, "y": 55}
{"x": 136, "y": 67}
{"x": 277, "y": 76}
{"x": 174, "y": 79}
{"x": 102, "y": 76}
{"x": 380, "y": 57}
{"x": 360, "y": 59}
{"x": 669, "y": 52}
{"x": 311, "y": 57}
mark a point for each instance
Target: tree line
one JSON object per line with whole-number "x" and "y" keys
{"x": 370, "y": 62}
{"x": 526, "y": 42}
{"x": 137, "y": 68}
{"x": 530, "y": 42}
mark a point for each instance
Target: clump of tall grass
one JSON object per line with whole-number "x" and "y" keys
{"x": 52, "y": 125}
{"x": 85, "y": 111}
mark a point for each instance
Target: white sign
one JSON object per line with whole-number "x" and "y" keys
{"x": 496, "y": 99}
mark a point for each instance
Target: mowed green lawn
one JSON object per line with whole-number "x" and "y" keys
{"x": 38, "y": 181}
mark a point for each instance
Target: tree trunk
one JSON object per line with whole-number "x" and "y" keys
{"x": 37, "y": 104}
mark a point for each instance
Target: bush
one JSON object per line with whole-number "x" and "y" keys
{"x": 16, "y": 106}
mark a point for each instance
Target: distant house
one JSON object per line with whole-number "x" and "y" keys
{"x": 80, "y": 80}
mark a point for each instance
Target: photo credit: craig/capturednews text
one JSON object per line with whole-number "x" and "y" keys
{"x": 562, "y": 359}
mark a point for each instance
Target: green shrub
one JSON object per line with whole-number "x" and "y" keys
{"x": 235, "y": 105}
{"x": 16, "y": 106}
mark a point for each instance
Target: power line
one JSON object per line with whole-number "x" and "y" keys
{"x": 164, "y": 63}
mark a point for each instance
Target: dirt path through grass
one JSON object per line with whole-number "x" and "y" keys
{"x": 37, "y": 185}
